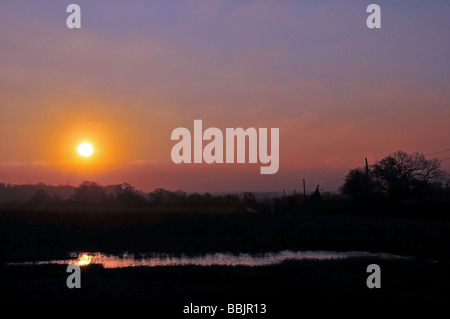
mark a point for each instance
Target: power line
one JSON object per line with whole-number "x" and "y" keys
{"x": 444, "y": 159}
{"x": 438, "y": 152}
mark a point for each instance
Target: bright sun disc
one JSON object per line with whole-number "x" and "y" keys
{"x": 85, "y": 149}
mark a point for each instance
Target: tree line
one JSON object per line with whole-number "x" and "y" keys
{"x": 397, "y": 177}
{"x": 92, "y": 194}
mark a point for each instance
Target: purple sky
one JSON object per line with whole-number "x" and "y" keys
{"x": 136, "y": 70}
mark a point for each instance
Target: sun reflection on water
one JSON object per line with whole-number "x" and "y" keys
{"x": 212, "y": 259}
{"x": 84, "y": 260}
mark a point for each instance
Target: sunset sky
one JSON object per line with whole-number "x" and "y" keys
{"x": 136, "y": 70}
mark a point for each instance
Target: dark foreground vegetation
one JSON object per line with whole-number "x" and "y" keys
{"x": 37, "y": 235}
{"x": 420, "y": 230}
{"x": 393, "y": 207}
{"x": 291, "y": 287}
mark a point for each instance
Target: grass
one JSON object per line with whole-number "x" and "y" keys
{"x": 37, "y": 235}
{"x": 27, "y": 235}
{"x": 300, "y": 280}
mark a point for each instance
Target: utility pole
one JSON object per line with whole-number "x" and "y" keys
{"x": 367, "y": 168}
{"x": 304, "y": 188}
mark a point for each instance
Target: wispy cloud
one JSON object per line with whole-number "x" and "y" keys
{"x": 11, "y": 163}
{"x": 143, "y": 162}
{"x": 39, "y": 163}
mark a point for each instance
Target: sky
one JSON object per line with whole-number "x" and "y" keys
{"x": 136, "y": 70}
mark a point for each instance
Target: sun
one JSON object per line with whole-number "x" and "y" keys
{"x": 85, "y": 149}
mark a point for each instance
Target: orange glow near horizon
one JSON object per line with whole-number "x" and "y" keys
{"x": 108, "y": 140}
{"x": 338, "y": 96}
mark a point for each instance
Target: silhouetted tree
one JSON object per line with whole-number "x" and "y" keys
{"x": 358, "y": 185}
{"x": 161, "y": 196}
{"x": 40, "y": 197}
{"x": 398, "y": 176}
{"x": 127, "y": 195}
{"x": 56, "y": 198}
{"x": 176, "y": 197}
{"x": 401, "y": 174}
{"x": 89, "y": 193}
{"x": 158, "y": 196}
{"x": 231, "y": 199}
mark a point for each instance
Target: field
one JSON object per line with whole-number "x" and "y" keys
{"x": 423, "y": 235}
{"x": 36, "y": 234}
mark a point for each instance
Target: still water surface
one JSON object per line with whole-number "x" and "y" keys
{"x": 216, "y": 259}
